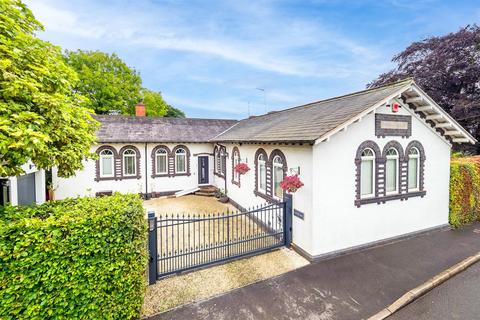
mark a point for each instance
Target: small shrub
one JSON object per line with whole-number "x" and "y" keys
{"x": 464, "y": 190}
{"x": 79, "y": 258}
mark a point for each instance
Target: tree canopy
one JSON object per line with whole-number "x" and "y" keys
{"x": 106, "y": 81}
{"x": 154, "y": 103}
{"x": 41, "y": 118}
{"x": 173, "y": 112}
{"x": 111, "y": 85}
{"x": 448, "y": 69}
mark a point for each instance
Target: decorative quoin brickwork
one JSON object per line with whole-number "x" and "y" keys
{"x": 172, "y": 166}
{"x": 268, "y": 195}
{"x": 154, "y": 161}
{"x": 116, "y": 174}
{"x": 137, "y": 163}
{"x": 235, "y": 153}
{"x": 219, "y": 162}
{"x": 273, "y": 154}
{"x": 379, "y": 171}
{"x": 378, "y": 160}
{"x": 401, "y": 166}
{"x": 393, "y": 125}
{"x": 421, "y": 167}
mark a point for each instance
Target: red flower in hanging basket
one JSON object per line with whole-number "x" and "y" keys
{"x": 242, "y": 168}
{"x": 291, "y": 183}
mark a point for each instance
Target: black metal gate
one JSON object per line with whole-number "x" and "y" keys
{"x": 184, "y": 242}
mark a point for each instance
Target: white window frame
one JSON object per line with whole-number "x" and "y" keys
{"x": 372, "y": 159}
{"x": 276, "y": 165}
{"x": 414, "y": 156}
{"x": 260, "y": 164}
{"x": 236, "y": 160}
{"x": 178, "y": 153}
{"x": 161, "y": 152}
{"x": 107, "y": 156}
{"x": 130, "y": 155}
{"x": 397, "y": 169}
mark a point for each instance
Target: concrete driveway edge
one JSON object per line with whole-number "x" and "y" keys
{"x": 426, "y": 287}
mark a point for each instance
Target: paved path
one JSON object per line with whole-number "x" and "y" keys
{"x": 455, "y": 299}
{"x": 354, "y": 286}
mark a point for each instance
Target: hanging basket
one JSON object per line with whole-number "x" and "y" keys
{"x": 291, "y": 183}
{"x": 241, "y": 168}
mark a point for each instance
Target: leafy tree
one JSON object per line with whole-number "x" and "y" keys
{"x": 106, "y": 80}
{"x": 173, "y": 112}
{"x": 41, "y": 119}
{"x": 154, "y": 103}
{"x": 448, "y": 69}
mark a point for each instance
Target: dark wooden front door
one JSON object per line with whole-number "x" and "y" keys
{"x": 202, "y": 170}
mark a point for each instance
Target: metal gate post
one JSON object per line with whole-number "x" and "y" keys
{"x": 152, "y": 248}
{"x": 288, "y": 212}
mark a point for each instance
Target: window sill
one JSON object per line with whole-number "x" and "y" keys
{"x": 161, "y": 175}
{"x": 270, "y": 199}
{"x": 106, "y": 178}
{"x": 181, "y": 174}
{"x": 129, "y": 177}
{"x": 379, "y": 200}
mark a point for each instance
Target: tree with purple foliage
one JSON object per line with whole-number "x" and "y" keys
{"x": 448, "y": 69}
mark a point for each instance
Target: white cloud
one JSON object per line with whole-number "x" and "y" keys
{"x": 64, "y": 21}
{"x": 263, "y": 40}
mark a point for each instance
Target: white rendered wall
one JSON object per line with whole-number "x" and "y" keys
{"x": 339, "y": 224}
{"x": 84, "y": 184}
{"x": 296, "y": 156}
{"x": 40, "y": 192}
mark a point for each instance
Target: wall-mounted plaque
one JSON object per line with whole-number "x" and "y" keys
{"x": 298, "y": 214}
{"x": 392, "y": 125}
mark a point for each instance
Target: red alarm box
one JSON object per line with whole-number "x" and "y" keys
{"x": 395, "y": 107}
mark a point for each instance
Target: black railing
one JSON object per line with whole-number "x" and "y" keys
{"x": 184, "y": 242}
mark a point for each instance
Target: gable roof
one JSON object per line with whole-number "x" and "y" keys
{"x": 316, "y": 121}
{"x": 152, "y": 129}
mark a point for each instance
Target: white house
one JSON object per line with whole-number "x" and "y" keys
{"x": 375, "y": 163}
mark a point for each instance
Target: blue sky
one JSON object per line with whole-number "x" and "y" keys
{"x": 208, "y": 57}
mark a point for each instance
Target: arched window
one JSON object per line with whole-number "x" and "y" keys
{"x": 367, "y": 173}
{"x": 180, "y": 161}
{"x": 106, "y": 163}
{"x": 161, "y": 160}
{"x": 391, "y": 171}
{"x": 277, "y": 177}
{"x": 236, "y": 160}
{"x": 413, "y": 169}
{"x": 129, "y": 162}
{"x": 262, "y": 173}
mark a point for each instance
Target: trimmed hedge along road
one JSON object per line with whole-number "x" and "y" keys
{"x": 77, "y": 259}
{"x": 464, "y": 190}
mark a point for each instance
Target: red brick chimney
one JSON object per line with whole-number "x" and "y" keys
{"x": 140, "y": 109}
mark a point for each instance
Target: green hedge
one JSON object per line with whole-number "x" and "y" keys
{"x": 73, "y": 259}
{"x": 464, "y": 190}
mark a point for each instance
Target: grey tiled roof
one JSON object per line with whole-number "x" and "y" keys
{"x": 149, "y": 129}
{"x": 308, "y": 122}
